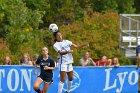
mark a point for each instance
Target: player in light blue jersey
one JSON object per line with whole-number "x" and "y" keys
{"x": 65, "y": 59}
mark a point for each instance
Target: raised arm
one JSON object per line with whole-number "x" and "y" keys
{"x": 93, "y": 63}
{"x": 78, "y": 46}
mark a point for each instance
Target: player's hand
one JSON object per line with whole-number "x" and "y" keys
{"x": 90, "y": 59}
{"x": 35, "y": 72}
{"x": 46, "y": 67}
{"x": 70, "y": 51}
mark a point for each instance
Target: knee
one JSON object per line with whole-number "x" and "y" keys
{"x": 62, "y": 79}
{"x": 35, "y": 87}
{"x": 44, "y": 90}
{"x": 70, "y": 78}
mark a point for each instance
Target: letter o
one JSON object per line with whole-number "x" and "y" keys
{"x": 135, "y": 79}
{"x": 9, "y": 80}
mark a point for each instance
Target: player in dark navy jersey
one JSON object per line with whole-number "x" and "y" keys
{"x": 47, "y": 66}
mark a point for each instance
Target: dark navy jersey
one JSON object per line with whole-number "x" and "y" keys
{"x": 49, "y": 62}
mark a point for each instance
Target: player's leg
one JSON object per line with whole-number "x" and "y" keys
{"x": 138, "y": 56}
{"x": 70, "y": 77}
{"x": 62, "y": 80}
{"x": 62, "y": 70}
{"x": 37, "y": 83}
{"x": 138, "y": 63}
{"x": 46, "y": 86}
{"x": 138, "y": 60}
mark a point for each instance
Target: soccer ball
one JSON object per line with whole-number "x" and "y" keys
{"x": 53, "y": 27}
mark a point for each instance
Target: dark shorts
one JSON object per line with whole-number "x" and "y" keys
{"x": 46, "y": 79}
{"x": 137, "y": 49}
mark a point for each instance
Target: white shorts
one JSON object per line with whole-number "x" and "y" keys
{"x": 65, "y": 67}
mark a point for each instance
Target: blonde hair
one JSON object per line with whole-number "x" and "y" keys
{"x": 34, "y": 57}
{"x": 117, "y": 61}
{"x": 7, "y": 58}
{"x": 45, "y": 48}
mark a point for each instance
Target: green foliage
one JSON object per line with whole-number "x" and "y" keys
{"x": 122, "y": 6}
{"x": 101, "y": 30}
{"x": 126, "y": 6}
{"x": 137, "y": 4}
{"x": 17, "y": 16}
{"x": 19, "y": 26}
{"x": 105, "y": 5}
{"x": 23, "y": 26}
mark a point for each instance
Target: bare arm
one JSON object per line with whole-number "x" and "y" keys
{"x": 49, "y": 68}
{"x": 65, "y": 52}
{"x": 82, "y": 45}
{"x": 110, "y": 62}
{"x": 91, "y": 60}
{"x": 93, "y": 63}
{"x": 118, "y": 65}
{"x": 137, "y": 64}
{"x": 35, "y": 68}
{"x": 138, "y": 61}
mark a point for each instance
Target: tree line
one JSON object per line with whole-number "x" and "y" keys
{"x": 24, "y": 26}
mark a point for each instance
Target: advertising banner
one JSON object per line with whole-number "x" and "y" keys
{"x": 20, "y": 79}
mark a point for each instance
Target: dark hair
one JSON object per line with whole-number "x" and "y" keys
{"x": 54, "y": 34}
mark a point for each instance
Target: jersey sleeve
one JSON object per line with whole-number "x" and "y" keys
{"x": 38, "y": 61}
{"x": 52, "y": 63}
{"x": 69, "y": 42}
{"x": 56, "y": 47}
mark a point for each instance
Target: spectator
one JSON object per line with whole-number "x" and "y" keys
{"x": 103, "y": 62}
{"x": 86, "y": 60}
{"x": 34, "y": 58}
{"x": 115, "y": 62}
{"x": 25, "y": 60}
{"x": 7, "y": 61}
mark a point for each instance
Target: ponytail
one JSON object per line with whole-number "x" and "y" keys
{"x": 54, "y": 34}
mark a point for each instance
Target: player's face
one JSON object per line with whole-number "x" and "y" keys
{"x": 59, "y": 37}
{"x": 44, "y": 51}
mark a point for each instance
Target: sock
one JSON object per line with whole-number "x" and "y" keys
{"x": 69, "y": 86}
{"x": 60, "y": 87}
{"x": 38, "y": 90}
